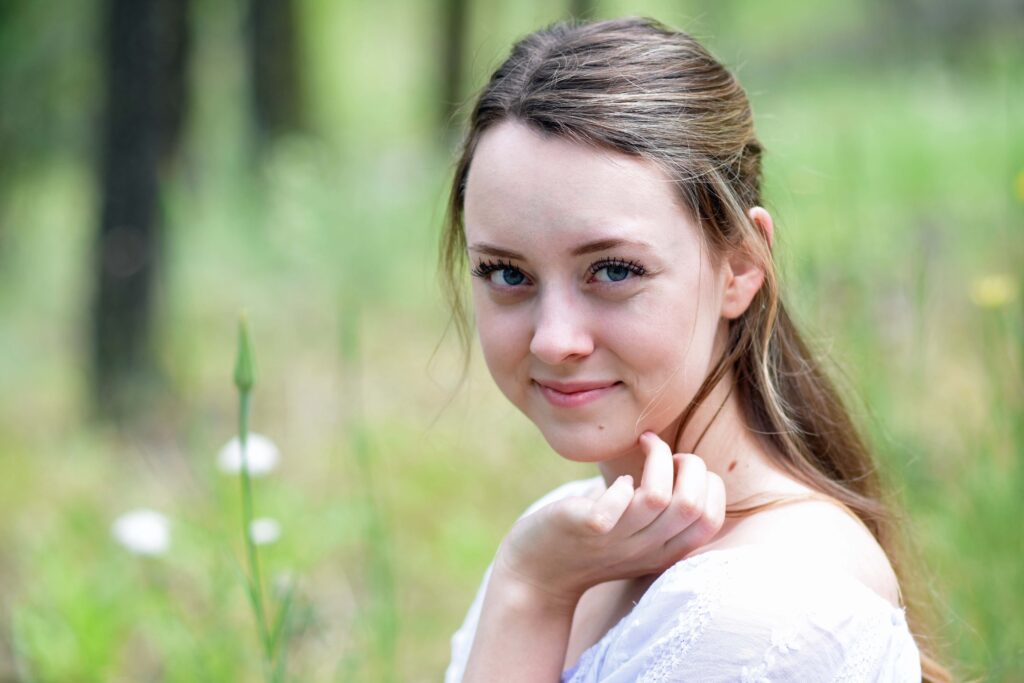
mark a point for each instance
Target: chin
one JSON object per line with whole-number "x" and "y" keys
{"x": 589, "y": 442}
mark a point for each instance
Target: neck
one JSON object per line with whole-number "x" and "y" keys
{"x": 718, "y": 433}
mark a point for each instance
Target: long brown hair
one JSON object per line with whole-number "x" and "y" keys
{"x": 640, "y": 88}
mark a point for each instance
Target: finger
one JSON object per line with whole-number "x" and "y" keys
{"x": 655, "y": 491}
{"x": 705, "y": 528}
{"x": 659, "y": 472}
{"x": 691, "y": 485}
{"x": 716, "y": 502}
{"x": 607, "y": 510}
{"x": 688, "y": 499}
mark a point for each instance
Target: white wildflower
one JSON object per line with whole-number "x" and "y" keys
{"x": 264, "y": 530}
{"x": 261, "y": 453}
{"x": 143, "y": 532}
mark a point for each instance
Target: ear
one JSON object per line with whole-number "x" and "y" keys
{"x": 742, "y": 273}
{"x": 763, "y": 220}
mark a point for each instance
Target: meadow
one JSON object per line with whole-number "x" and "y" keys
{"x": 898, "y": 190}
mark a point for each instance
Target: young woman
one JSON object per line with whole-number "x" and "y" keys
{"x": 607, "y": 203}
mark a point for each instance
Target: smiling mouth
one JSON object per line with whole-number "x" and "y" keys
{"x": 570, "y": 396}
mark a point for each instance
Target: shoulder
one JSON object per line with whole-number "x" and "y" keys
{"x": 755, "y": 614}
{"x": 823, "y": 535}
{"x": 798, "y": 619}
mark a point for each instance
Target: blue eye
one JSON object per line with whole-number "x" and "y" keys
{"x": 500, "y": 273}
{"x": 615, "y": 270}
{"x": 616, "y": 273}
{"x": 507, "y": 276}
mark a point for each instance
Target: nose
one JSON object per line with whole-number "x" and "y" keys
{"x": 561, "y": 330}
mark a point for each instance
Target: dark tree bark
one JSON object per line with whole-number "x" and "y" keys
{"x": 146, "y": 45}
{"x": 274, "y": 76}
{"x": 175, "y": 46}
{"x": 453, "y": 37}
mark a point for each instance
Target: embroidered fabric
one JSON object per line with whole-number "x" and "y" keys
{"x": 746, "y": 614}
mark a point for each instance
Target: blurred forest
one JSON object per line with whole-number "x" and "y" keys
{"x": 165, "y": 164}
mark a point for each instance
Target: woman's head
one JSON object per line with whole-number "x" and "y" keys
{"x": 591, "y": 276}
{"x": 656, "y": 125}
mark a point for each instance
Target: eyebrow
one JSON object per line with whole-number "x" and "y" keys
{"x": 588, "y": 248}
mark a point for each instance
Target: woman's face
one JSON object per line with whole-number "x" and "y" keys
{"x": 597, "y": 305}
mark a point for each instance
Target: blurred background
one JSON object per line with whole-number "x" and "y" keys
{"x": 166, "y": 164}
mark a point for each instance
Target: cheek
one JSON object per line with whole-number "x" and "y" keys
{"x": 671, "y": 348}
{"x": 504, "y": 340}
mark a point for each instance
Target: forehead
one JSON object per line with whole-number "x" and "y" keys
{"x": 525, "y": 187}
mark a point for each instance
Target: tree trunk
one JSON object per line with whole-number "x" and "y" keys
{"x": 454, "y": 19}
{"x": 146, "y": 45}
{"x": 275, "y": 86}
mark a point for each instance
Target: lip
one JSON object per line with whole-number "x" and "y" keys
{"x": 574, "y": 394}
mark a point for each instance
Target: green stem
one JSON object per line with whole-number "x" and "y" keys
{"x": 255, "y": 578}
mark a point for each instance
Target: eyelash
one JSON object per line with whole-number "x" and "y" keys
{"x": 632, "y": 266}
{"x": 485, "y": 268}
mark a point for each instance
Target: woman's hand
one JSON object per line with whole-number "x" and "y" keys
{"x": 572, "y": 544}
{"x": 552, "y": 556}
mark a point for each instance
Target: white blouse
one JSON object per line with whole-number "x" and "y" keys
{"x": 751, "y": 614}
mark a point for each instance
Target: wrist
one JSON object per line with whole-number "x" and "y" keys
{"x": 523, "y": 630}
{"x": 527, "y": 594}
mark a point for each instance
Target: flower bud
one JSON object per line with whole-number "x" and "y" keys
{"x": 245, "y": 373}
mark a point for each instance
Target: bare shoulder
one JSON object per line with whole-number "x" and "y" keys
{"x": 823, "y": 531}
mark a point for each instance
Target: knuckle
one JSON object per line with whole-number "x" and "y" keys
{"x": 687, "y": 508}
{"x": 598, "y": 523}
{"x": 709, "y": 525}
{"x": 654, "y": 500}
{"x": 694, "y": 461}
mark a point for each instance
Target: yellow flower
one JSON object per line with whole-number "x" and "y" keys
{"x": 994, "y": 291}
